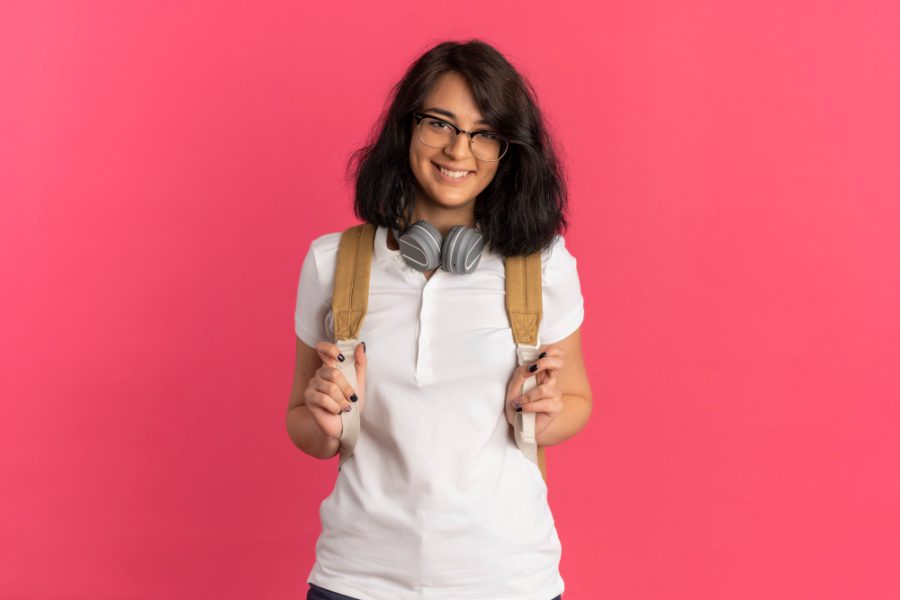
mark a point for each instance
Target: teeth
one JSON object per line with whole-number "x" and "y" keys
{"x": 456, "y": 174}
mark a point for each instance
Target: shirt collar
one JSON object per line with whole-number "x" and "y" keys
{"x": 382, "y": 252}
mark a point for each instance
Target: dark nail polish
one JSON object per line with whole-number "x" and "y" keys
{"x": 533, "y": 368}
{"x": 341, "y": 357}
{"x": 353, "y": 398}
{"x": 364, "y": 346}
{"x": 542, "y": 355}
{"x": 519, "y": 409}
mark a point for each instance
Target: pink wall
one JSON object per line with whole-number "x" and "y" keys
{"x": 735, "y": 215}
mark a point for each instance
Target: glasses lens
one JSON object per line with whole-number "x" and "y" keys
{"x": 488, "y": 146}
{"x": 435, "y": 133}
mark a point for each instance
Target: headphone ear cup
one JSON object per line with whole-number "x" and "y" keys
{"x": 461, "y": 250}
{"x": 420, "y": 246}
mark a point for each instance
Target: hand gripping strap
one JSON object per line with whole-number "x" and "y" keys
{"x": 524, "y": 424}
{"x": 348, "y": 305}
{"x": 524, "y": 297}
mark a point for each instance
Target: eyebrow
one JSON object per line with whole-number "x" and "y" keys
{"x": 447, "y": 113}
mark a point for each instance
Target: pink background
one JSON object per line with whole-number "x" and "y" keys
{"x": 735, "y": 187}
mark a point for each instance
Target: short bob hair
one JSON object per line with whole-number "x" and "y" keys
{"x": 522, "y": 209}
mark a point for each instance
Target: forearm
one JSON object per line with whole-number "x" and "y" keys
{"x": 307, "y": 436}
{"x": 574, "y": 416}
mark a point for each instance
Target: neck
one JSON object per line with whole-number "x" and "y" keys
{"x": 443, "y": 219}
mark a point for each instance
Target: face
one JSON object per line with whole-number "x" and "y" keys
{"x": 451, "y": 94}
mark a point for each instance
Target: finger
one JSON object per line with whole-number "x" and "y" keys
{"x": 535, "y": 394}
{"x": 549, "y": 366}
{"x": 333, "y": 389}
{"x": 329, "y": 353}
{"x": 523, "y": 371}
{"x": 336, "y": 377}
{"x": 550, "y": 378}
{"x": 541, "y": 364}
{"x": 324, "y": 401}
{"x": 538, "y": 406}
{"x": 553, "y": 350}
{"x": 546, "y": 351}
{"x": 360, "y": 361}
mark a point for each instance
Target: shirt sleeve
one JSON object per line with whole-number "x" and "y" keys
{"x": 563, "y": 305}
{"x": 313, "y": 305}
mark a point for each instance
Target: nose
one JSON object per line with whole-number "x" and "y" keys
{"x": 459, "y": 148}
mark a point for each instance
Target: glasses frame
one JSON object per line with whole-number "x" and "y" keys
{"x": 419, "y": 116}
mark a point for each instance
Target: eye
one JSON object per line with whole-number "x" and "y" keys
{"x": 437, "y": 124}
{"x": 488, "y": 135}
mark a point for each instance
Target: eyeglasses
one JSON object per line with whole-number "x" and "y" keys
{"x": 438, "y": 133}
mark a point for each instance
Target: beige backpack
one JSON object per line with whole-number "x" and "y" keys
{"x": 350, "y": 302}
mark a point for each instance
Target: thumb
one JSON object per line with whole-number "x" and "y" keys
{"x": 360, "y": 363}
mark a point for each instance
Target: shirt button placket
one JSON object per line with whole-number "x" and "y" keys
{"x": 424, "y": 369}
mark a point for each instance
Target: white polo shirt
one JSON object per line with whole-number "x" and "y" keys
{"x": 437, "y": 501}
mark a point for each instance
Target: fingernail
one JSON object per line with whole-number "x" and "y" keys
{"x": 533, "y": 368}
{"x": 348, "y": 407}
{"x": 519, "y": 409}
{"x": 517, "y": 405}
{"x": 364, "y": 346}
{"x": 341, "y": 357}
{"x": 542, "y": 355}
{"x": 353, "y": 398}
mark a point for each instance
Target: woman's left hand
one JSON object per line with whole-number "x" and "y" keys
{"x": 546, "y": 398}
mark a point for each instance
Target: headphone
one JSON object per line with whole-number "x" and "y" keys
{"x": 423, "y": 248}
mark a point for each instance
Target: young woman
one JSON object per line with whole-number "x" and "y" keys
{"x": 437, "y": 500}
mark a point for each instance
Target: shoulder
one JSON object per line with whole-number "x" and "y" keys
{"x": 324, "y": 251}
{"x": 556, "y": 258}
{"x": 325, "y": 245}
{"x": 321, "y": 258}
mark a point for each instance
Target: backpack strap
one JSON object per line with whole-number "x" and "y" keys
{"x": 524, "y": 298}
{"x": 349, "y": 303}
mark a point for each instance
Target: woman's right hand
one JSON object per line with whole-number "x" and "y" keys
{"x": 328, "y": 391}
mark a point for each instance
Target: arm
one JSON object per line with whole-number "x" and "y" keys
{"x": 302, "y": 429}
{"x": 576, "y": 394}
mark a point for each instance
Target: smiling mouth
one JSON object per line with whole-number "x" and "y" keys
{"x": 451, "y": 178}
